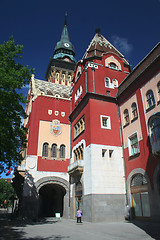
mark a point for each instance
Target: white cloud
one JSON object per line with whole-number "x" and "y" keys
{"x": 122, "y": 45}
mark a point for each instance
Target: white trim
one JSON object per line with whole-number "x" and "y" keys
{"x": 108, "y": 122}
{"x": 129, "y": 144}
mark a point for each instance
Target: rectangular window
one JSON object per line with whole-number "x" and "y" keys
{"x": 105, "y": 122}
{"x": 79, "y": 127}
{"x": 133, "y": 144}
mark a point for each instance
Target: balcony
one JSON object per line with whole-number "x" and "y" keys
{"x": 76, "y": 167}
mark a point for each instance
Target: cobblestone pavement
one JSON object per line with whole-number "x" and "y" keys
{"x": 50, "y": 229}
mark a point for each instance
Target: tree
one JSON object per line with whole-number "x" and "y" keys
{"x": 6, "y": 192}
{"x": 13, "y": 76}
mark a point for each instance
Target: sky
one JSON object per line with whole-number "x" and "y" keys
{"x": 133, "y": 27}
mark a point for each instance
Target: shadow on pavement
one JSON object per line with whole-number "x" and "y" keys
{"x": 151, "y": 228}
{"x": 8, "y": 224}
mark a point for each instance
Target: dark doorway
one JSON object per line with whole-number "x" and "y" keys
{"x": 51, "y": 200}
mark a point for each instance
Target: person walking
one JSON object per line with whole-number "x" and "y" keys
{"x": 79, "y": 215}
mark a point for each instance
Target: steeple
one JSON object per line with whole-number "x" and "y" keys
{"x": 99, "y": 46}
{"x": 64, "y": 49}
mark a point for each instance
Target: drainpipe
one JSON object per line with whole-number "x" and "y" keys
{"x": 69, "y": 214}
{"x": 122, "y": 152}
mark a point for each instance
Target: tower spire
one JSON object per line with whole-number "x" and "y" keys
{"x": 65, "y": 35}
{"x": 65, "y": 21}
{"x": 64, "y": 48}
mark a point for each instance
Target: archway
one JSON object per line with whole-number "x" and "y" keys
{"x": 51, "y": 198}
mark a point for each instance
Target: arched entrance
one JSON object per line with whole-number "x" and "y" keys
{"x": 51, "y": 198}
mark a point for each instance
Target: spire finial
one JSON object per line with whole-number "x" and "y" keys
{"x": 65, "y": 22}
{"x": 97, "y": 30}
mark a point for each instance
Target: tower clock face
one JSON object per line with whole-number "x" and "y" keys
{"x": 66, "y": 44}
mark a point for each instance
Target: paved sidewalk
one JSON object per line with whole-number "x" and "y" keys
{"x": 49, "y": 229}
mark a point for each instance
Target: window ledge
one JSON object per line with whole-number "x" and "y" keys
{"x": 54, "y": 159}
{"x": 150, "y": 108}
{"x": 134, "y": 119}
{"x": 136, "y": 155}
{"x": 126, "y": 125}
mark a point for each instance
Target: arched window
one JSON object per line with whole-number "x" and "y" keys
{"x": 113, "y": 65}
{"x": 158, "y": 86}
{"x": 134, "y": 110}
{"x": 54, "y": 151}
{"x": 62, "y": 151}
{"x": 138, "y": 180}
{"x": 45, "y": 150}
{"x": 150, "y": 98}
{"x": 126, "y": 117}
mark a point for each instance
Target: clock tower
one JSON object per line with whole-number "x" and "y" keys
{"x": 61, "y": 66}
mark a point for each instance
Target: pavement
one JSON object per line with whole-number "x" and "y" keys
{"x": 12, "y": 228}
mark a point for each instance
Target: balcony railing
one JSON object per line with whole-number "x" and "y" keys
{"x": 76, "y": 166}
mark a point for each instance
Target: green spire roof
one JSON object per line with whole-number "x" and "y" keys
{"x": 64, "y": 47}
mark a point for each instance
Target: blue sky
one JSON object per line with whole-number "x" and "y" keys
{"x": 132, "y": 26}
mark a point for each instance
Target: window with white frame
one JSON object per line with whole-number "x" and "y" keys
{"x": 133, "y": 145}
{"x": 107, "y": 82}
{"x": 105, "y": 122}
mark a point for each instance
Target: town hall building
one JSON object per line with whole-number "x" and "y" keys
{"x": 93, "y": 136}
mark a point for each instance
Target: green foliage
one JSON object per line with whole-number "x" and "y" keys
{"x": 6, "y": 191}
{"x": 13, "y": 76}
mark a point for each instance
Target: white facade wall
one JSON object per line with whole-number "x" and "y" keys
{"x": 103, "y": 175}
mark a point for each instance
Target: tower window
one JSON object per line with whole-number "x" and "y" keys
{"x": 107, "y": 82}
{"x": 54, "y": 151}
{"x": 113, "y": 65}
{"x": 62, "y": 151}
{"x": 108, "y": 93}
{"x": 105, "y": 122}
{"x": 45, "y": 150}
